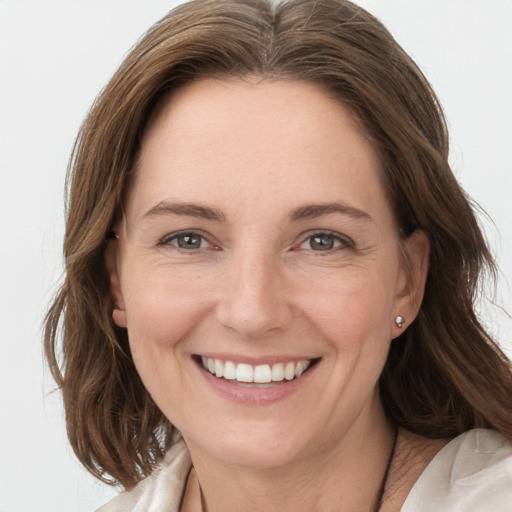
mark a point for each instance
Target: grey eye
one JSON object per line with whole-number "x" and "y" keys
{"x": 189, "y": 241}
{"x": 185, "y": 240}
{"x": 323, "y": 242}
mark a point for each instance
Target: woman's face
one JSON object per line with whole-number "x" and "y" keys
{"x": 257, "y": 241}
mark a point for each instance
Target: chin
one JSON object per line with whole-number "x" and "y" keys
{"x": 261, "y": 451}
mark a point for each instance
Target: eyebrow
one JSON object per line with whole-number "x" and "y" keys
{"x": 185, "y": 209}
{"x": 313, "y": 211}
{"x": 310, "y": 211}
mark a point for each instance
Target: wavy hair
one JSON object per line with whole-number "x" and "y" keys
{"x": 444, "y": 374}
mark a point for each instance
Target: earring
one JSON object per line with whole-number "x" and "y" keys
{"x": 399, "y": 321}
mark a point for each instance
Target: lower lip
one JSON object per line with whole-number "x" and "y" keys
{"x": 248, "y": 395}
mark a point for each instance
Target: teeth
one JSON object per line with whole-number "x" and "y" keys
{"x": 289, "y": 371}
{"x": 260, "y": 374}
{"x": 244, "y": 373}
{"x": 277, "y": 372}
{"x": 229, "y": 370}
{"x": 219, "y": 368}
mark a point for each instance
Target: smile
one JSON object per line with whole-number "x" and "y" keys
{"x": 257, "y": 374}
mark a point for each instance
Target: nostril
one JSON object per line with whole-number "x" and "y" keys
{"x": 260, "y": 317}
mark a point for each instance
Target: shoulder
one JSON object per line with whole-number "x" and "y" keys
{"x": 473, "y": 472}
{"x": 162, "y": 490}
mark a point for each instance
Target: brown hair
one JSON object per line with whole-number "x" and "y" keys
{"x": 444, "y": 375}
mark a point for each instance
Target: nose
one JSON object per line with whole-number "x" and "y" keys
{"x": 255, "y": 302}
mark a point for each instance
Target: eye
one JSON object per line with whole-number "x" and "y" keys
{"x": 323, "y": 242}
{"x": 188, "y": 241}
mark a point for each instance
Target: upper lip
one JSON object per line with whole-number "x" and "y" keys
{"x": 255, "y": 360}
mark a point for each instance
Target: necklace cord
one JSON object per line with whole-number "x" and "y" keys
{"x": 382, "y": 489}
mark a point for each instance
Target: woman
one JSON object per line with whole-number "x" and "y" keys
{"x": 270, "y": 276}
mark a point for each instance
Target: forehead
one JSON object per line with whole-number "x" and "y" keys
{"x": 215, "y": 138}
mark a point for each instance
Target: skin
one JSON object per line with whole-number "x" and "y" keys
{"x": 257, "y": 287}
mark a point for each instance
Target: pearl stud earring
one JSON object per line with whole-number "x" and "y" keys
{"x": 399, "y": 321}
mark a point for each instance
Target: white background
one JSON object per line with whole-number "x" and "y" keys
{"x": 54, "y": 58}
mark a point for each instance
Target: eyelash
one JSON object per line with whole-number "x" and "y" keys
{"x": 339, "y": 242}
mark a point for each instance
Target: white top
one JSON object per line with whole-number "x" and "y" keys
{"x": 472, "y": 473}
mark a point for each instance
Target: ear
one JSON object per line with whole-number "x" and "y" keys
{"x": 413, "y": 276}
{"x": 118, "y": 313}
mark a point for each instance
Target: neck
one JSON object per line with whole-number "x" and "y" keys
{"x": 345, "y": 477}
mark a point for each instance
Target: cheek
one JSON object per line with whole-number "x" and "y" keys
{"x": 162, "y": 312}
{"x": 351, "y": 307}
{"x": 161, "y": 307}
